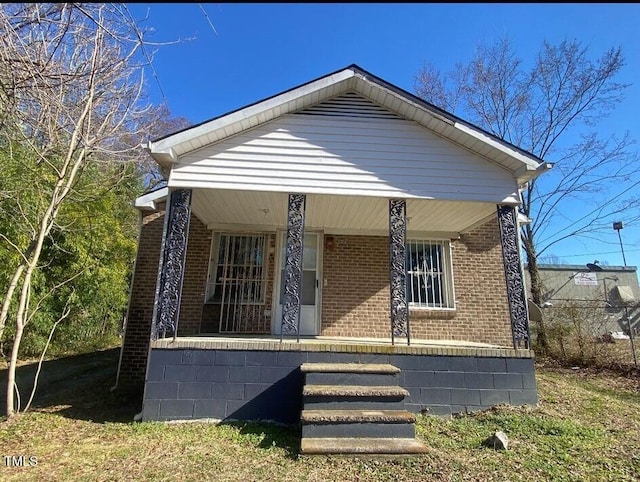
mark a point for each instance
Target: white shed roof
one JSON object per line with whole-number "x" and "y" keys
{"x": 524, "y": 166}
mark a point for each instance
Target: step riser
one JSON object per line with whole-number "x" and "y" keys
{"x": 352, "y": 403}
{"x": 349, "y": 368}
{"x": 360, "y": 430}
{"x": 336, "y": 401}
{"x": 355, "y": 446}
{"x": 371, "y": 379}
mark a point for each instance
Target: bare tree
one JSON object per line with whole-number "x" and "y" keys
{"x": 550, "y": 108}
{"x": 163, "y": 125}
{"x": 71, "y": 88}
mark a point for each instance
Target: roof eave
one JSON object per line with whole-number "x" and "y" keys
{"x": 165, "y": 156}
{"x": 530, "y": 162}
{"x": 150, "y": 200}
{"x": 165, "y": 151}
{"x": 531, "y": 167}
{"x": 174, "y": 141}
{"x": 527, "y": 173}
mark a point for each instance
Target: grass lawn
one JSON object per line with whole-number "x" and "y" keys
{"x": 586, "y": 427}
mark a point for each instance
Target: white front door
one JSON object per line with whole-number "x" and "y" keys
{"x": 311, "y": 261}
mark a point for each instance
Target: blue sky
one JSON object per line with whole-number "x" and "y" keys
{"x": 258, "y": 50}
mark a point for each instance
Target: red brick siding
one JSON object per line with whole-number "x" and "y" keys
{"x": 194, "y": 283}
{"x": 356, "y": 292}
{"x": 482, "y": 312}
{"x": 133, "y": 362}
{"x": 355, "y": 298}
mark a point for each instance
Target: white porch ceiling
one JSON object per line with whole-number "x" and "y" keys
{"x": 252, "y": 210}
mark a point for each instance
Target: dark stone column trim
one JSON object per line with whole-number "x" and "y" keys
{"x": 166, "y": 308}
{"x": 507, "y": 219}
{"x": 293, "y": 266}
{"x": 398, "y": 269}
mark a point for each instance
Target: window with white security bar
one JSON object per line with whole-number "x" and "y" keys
{"x": 429, "y": 274}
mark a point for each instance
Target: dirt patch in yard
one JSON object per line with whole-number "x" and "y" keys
{"x": 78, "y": 386}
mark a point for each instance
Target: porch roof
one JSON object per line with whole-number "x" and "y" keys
{"x": 523, "y": 165}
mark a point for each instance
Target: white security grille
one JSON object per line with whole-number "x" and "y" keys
{"x": 237, "y": 281}
{"x": 428, "y": 274}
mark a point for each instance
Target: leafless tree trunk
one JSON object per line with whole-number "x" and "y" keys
{"x": 70, "y": 89}
{"x": 63, "y": 316}
{"x": 543, "y": 109}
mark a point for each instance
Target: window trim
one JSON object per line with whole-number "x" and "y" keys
{"x": 447, "y": 265}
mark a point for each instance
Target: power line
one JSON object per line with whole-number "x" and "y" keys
{"x": 593, "y": 254}
{"x": 208, "y": 19}
{"x": 600, "y": 208}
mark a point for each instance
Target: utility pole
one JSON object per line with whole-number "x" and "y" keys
{"x": 618, "y": 225}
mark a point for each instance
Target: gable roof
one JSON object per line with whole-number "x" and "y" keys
{"x": 524, "y": 165}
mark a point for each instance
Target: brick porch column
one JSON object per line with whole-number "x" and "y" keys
{"x": 293, "y": 266}
{"x": 166, "y": 308}
{"x": 516, "y": 296}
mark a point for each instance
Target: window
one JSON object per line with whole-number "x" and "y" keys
{"x": 236, "y": 268}
{"x": 236, "y": 284}
{"x": 429, "y": 274}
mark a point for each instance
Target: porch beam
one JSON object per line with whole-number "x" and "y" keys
{"x": 507, "y": 219}
{"x": 293, "y": 266}
{"x": 166, "y": 309}
{"x": 398, "y": 269}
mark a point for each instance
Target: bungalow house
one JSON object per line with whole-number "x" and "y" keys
{"x": 342, "y": 222}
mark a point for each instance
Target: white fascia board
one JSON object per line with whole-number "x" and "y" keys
{"x": 150, "y": 200}
{"x": 411, "y": 234}
{"x": 524, "y": 219}
{"x": 248, "y": 112}
{"x": 164, "y": 157}
{"x": 244, "y": 228}
{"x": 530, "y": 169}
{"x": 527, "y": 173}
{"x": 514, "y": 200}
{"x": 404, "y": 99}
{"x": 529, "y": 163}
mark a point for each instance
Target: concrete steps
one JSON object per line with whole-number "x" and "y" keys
{"x": 355, "y": 446}
{"x": 353, "y": 408}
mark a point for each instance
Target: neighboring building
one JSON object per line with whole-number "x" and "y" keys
{"x": 612, "y": 292}
{"x": 303, "y": 207}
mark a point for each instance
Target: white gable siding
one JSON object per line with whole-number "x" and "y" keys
{"x": 329, "y": 154}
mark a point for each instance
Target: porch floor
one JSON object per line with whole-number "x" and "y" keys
{"x": 340, "y": 344}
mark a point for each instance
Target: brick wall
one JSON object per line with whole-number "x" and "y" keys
{"x": 133, "y": 361}
{"x": 194, "y": 283}
{"x": 356, "y": 292}
{"x": 355, "y": 299}
{"x": 482, "y": 313}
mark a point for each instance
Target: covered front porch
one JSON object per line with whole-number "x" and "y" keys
{"x": 293, "y": 265}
